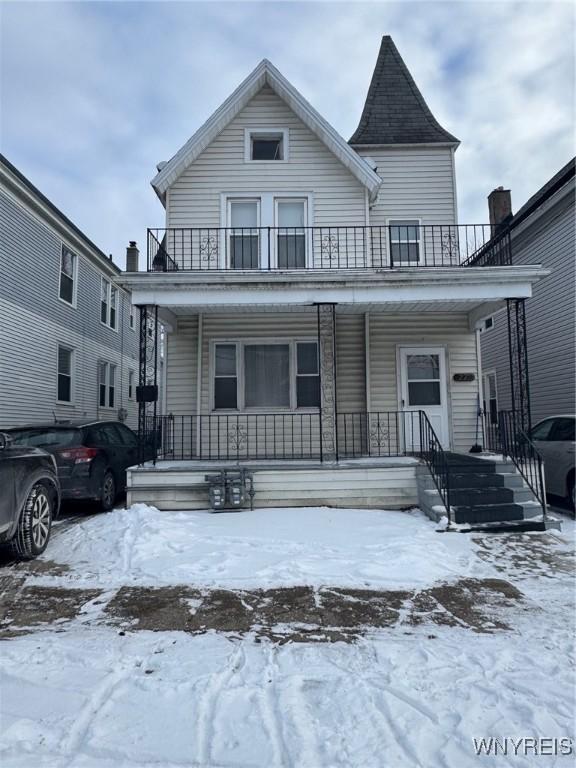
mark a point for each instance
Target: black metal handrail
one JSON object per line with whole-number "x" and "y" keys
{"x": 508, "y": 437}
{"x": 413, "y": 245}
{"x": 435, "y": 458}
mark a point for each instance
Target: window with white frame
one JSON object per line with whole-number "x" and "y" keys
{"x": 106, "y": 384}
{"x": 274, "y": 375}
{"x": 307, "y": 375}
{"x": 108, "y": 303}
{"x": 65, "y": 356}
{"x": 404, "y": 241}
{"x": 266, "y": 145}
{"x": 130, "y": 385}
{"x": 490, "y": 396}
{"x": 244, "y": 236}
{"x": 225, "y": 377}
{"x": 291, "y": 233}
{"x": 67, "y": 275}
{"x": 132, "y": 316}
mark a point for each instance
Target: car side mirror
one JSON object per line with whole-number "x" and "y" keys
{"x": 5, "y": 441}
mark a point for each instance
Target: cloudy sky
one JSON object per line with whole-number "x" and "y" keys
{"x": 94, "y": 94}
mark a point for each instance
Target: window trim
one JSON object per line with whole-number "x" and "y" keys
{"x": 266, "y": 130}
{"x": 111, "y": 287}
{"x": 389, "y": 224}
{"x": 132, "y": 317}
{"x": 107, "y": 378}
{"x": 61, "y": 345}
{"x": 291, "y": 342}
{"x": 74, "y": 302}
{"x": 486, "y": 401}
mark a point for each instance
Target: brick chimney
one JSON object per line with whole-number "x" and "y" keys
{"x": 132, "y": 255}
{"x": 499, "y": 207}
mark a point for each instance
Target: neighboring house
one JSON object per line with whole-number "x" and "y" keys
{"x": 543, "y": 231}
{"x": 69, "y": 341}
{"x": 316, "y": 296}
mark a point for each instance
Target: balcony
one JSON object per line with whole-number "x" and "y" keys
{"x": 269, "y": 249}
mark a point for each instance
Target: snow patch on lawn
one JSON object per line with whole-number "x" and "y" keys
{"x": 264, "y": 548}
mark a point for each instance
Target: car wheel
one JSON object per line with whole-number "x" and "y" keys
{"x": 108, "y": 496}
{"x": 35, "y": 522}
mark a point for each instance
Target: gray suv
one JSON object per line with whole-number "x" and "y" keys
{"x": 29, "y": 498}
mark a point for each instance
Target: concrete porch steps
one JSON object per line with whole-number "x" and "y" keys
{"x": 483, "y": 492}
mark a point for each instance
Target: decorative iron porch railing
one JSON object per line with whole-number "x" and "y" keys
{"x": 323, "y": 248}
{"x": 282, "y": 435}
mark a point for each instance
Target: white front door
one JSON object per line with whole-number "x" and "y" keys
{"x": 423, "y": 388}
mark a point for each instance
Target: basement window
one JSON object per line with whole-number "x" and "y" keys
{"x": 266, "y": 145}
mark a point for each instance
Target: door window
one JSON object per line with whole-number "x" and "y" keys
{"x": 244, "y": 239}
{"x": 423, "y": 380}
{"x": 291, "y": 235}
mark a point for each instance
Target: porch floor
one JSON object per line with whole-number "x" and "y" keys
{"x": 204, "y": 465}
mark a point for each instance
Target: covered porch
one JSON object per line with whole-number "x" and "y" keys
{"x": 325, "y": 370}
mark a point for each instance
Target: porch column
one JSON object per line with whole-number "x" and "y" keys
{"x": 327, "y": 368}
{"x": 147, "y": 390}
{"x": 518, "y": 356}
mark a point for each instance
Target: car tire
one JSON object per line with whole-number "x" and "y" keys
{"x": 108, "y": 494}
{"x": 35, "y": 523}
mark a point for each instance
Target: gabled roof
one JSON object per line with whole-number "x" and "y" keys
{"x": 265, "y": 74}
{"x": 553, "y": 185}
{"x": 395, "y": 111}
{"x": 7, "y": 170}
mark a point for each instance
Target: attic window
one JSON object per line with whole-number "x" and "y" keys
{"x": 266, "y": 145}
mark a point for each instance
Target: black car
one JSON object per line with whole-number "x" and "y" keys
{"x": 92, "y": 457}
{"x": 29, "y": 497}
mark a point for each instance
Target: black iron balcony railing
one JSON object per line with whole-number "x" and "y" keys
{"x": 310, "y": 248}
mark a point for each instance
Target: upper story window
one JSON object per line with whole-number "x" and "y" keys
{"x": 67, "y": 275}
{"x": 266, "y": 145}
{"x": 108, "y": 303}
{"x": 404, "y": 241}
{"x": 65, "y": 355}
{"x": 132, "y": 317}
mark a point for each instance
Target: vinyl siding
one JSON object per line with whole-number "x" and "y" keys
{"x": 194, "y": 198}
{"x": 550, "y": 316}
{"x": 387, "y": 332}
{"x": 416, "y": 183}
{"x": 34, "y": 320}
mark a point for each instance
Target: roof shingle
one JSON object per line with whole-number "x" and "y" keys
{"x": 395, "y": 111}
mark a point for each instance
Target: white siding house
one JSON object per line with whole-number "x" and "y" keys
{"x": 318, "y": 297}
{"x": 69, "y": 341}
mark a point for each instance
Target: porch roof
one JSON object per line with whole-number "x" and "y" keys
{"x": 477, "y": 291}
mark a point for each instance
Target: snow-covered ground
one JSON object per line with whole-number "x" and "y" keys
{"x": 263, "y": 548}
{"x": 81, "y": 693}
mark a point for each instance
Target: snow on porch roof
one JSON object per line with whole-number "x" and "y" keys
{"x": 265, "y": 74}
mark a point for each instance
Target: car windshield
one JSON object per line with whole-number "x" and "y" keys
{"x": 45, "y": 438}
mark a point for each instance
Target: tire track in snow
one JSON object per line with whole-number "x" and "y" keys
{"x": 97, "y": 699}
{"x": 269, "y": 709}
{"x": 206, "y": 711}
{"x": 302, "y": 719}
